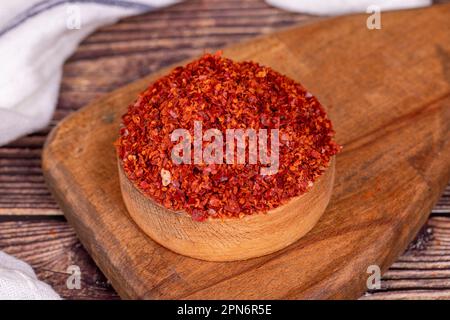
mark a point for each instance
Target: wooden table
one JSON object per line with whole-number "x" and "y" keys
{"x": 32, "y": 226}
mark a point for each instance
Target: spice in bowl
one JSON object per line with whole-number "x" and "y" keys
{"x": 184, "y": 141}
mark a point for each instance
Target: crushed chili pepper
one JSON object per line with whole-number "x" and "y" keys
{"x": 224, "y": 94}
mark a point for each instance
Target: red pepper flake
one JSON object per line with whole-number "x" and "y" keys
{"x": 224, "y": 94}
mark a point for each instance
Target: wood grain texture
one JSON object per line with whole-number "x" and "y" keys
{"x": 22, "y": 189}
{"x": 395, "y": 163}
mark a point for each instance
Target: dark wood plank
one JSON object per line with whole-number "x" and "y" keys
{"x": 423, "y": 271}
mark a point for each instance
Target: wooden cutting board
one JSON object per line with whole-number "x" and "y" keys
{"x": 388, "y": 94}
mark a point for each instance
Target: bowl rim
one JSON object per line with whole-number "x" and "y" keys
{"x": 247, "y": 217}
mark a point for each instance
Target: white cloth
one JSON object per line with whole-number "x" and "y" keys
{"x": 337, "y": 7}
{"x": 37, "y": 36}
{"x": 19, "y": 282}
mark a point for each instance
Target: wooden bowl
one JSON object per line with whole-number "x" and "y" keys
{"x": 230, "y": 239}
